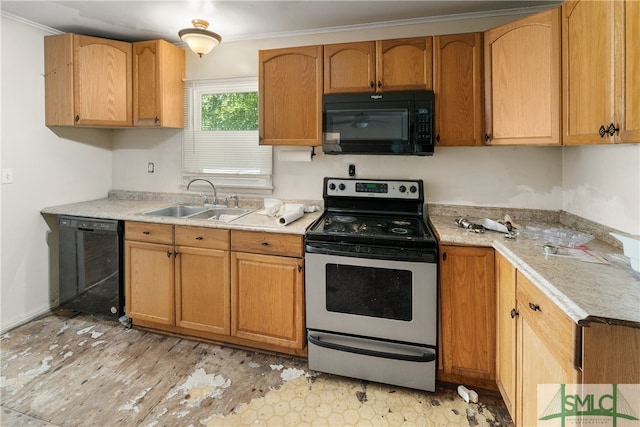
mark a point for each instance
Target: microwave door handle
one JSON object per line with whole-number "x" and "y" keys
{"x": 424, "y": 357}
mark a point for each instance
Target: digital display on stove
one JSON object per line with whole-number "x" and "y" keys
{"x": 371, "y": 187}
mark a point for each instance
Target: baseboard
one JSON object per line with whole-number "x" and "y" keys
{"x": 26, "y": 319}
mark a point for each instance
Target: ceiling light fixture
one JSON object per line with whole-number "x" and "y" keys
{"x": 199, "y": 39}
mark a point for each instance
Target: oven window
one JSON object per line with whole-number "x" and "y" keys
{"x": 369, "y": 291}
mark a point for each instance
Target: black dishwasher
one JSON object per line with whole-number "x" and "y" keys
{"x": 91, "y": 265}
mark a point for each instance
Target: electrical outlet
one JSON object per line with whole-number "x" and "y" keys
{"x": 151, "y": 167}
{"x": 352, "y": 170}
{"x": 7, "y": 176}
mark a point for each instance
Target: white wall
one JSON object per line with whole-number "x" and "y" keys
{"x": 49, "y": 169}
{"x": 602, "y": 183}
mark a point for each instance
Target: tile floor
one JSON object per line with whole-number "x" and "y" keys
{"x": 84, "y": 371}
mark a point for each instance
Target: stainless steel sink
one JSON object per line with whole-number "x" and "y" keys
{"x": 222, "y": 214}
{"x": 177, "y": 211}
{"x": 208, "y": 212}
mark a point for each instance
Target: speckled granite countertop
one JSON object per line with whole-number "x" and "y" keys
{"x": 586, "y": 292}
{"x": 131, "y": 208}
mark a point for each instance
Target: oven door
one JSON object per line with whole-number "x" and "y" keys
{"x": 376, "y": 298}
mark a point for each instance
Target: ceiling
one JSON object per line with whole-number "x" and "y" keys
{"x": 243, "y": 20}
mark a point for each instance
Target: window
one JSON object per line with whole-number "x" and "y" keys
{"x": 220, "y": 138}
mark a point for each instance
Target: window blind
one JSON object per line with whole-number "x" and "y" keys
{"x": 226, "y": 158}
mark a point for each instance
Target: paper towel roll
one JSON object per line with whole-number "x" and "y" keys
{"x": 290, "y": 216}
{"x": 294, "y": 156}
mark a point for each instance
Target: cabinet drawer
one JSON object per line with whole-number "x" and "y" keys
{"x": 201, "y": 237}
{"x": 267, "y": 243}
{"x": 149, "y": 232}
{"x": 547, "y": 319}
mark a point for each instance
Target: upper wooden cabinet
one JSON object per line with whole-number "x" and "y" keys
{"x": 158, "y": 88}
{"x": 290, "y": 96}
{"x": 457, "y": 81}
{"x": 87, "y": 81}
{"x": 601, "y": 86}
{"x": 523, "y": 81}
{"x": 386, "y": 65}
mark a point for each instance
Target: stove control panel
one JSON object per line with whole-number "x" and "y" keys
{"x": 387, "y": 189}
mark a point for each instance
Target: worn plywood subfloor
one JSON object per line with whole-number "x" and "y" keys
{"x": 85, "y": 371}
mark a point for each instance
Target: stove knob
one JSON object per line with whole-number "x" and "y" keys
{"x": 332, "y": 186}
{"x": 341, "y": 186}
{"x": 402, "y": 188}
{"x": 413, "y": 189}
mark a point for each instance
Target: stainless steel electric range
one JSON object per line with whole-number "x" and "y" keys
{"x": 371, "y": 284}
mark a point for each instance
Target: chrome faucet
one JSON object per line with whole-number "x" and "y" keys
{"x": 215, "y": 193}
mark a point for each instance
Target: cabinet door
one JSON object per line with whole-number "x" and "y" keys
{"x": 404, "y": 64}
{"x": 101, "y": 82}
{"x": 468, "y": 315}
{"x": 522, "y": 81}
{"x": 458, "y": 87}
{"x": 158, "y": 88}
{"x": 630, "y": 111}
{"x": 290, "y": 96}
{"x": 267, "y": 301}
{"x": 349, "y": 67}
{"x": 149, "y": 290}
{"x": 546, "y": 348}
{"x": 202, "y": 289}
{"x": 506, "y": 332}
{"x": 588, "y": 70}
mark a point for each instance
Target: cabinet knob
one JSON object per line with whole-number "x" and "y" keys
{"x": 77, "y": 118}
{"x": 444, "y": 256}
{"x": 199, "y": 238}
{"x": 372, "y": 85}
{"x": 146, "y": 233}
{"x": 534, "y": 307}
{"x": 156, "y": 120}
{"x": 438, "y": 138}
{"x": 168, "y": 254}
{"x": 487, "y": 137}
{"x": 379, "y": 84}
{"x": 514, "y": 313}
{"x": 264, "y": 243}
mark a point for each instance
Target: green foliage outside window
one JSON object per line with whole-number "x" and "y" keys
{"x": 230, "y": 111}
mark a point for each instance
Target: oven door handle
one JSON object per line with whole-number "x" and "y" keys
{"x": 424, "y": 357}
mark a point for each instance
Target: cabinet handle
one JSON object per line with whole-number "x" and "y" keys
{"x": 77, "y": 118}
{"x": 146, "y": 232}
{"x": 175, "y": 254}
{"x": 264, "y": 243}
{"x": 379, "y": 84}
{"x": 444, "y": 256}
{"x": 438, "y": 138}
{"x": 299, "y": 268}
{"x": 611, "y": 130}
{"x": 372, "y": 85}
{"x": 199, "y": 238}
{"x": 487, "y": 137}
{"x": 534, "y": 307}
{"x": 157, "y": 120}
{"x": 514, "y": 313}
{"x": 168, "y": 254}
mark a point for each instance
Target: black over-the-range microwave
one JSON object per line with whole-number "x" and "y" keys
{"x": 397, "y": 123}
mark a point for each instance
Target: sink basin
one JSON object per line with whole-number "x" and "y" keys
{"x": 221, "y": 214}
{"x": 177, "y": 211}
{"x": 209, "y": 212}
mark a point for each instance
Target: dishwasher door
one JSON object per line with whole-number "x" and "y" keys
{"x": 91, "y": 265}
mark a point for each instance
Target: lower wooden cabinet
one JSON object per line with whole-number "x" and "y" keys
{"x": 467, "y": 316}
{"x": 267, "y": 288}
{"x": 545, "y": 349}
{"x": 187, "y": 280}
{"x": 202, "y": 279}
{"x": 506, "y": 332}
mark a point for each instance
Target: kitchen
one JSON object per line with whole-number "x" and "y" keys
{"x": 599, "y": 183}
